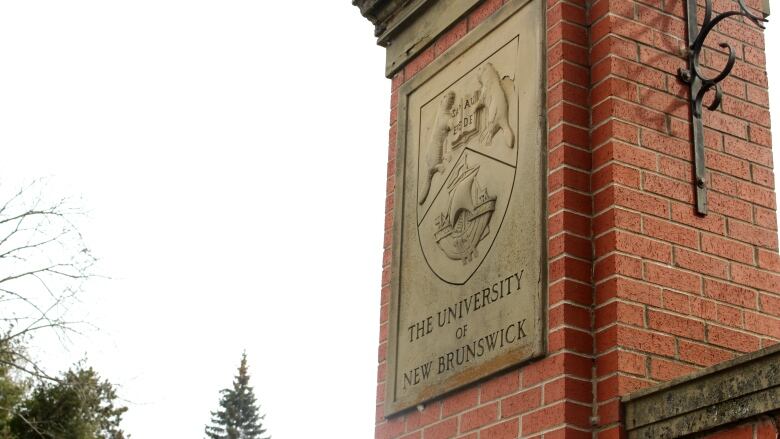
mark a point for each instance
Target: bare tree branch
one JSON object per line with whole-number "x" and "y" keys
{"x": 44, "y": 262}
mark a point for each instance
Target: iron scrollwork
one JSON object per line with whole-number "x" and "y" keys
{"x": 701, "y": 84}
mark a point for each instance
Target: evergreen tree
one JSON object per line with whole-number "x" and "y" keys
{"x": 238, "y": 416}
{"x": 79, "y": 405}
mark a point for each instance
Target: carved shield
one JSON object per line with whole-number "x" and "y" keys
{"x": 466, "y": 170}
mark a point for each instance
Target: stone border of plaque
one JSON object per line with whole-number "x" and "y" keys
{"x": 473, "y": 154}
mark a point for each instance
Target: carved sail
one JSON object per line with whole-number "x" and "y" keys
{"x": 466, "y": 222}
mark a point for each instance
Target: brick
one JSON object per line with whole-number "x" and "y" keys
{"x": 568, "y": 388}
{"x": 443, "y": 430}
{"x": 625, "y": 153}
{"x": 752, "y": 234}
{"x": 752, "y": 277}
{"x": 704, "y": 308}
{"x": 563, "y": 363}
{"x": 635, "y": 245}
{"x": 765, "y": 218}
{"x": 763, "y": 176}
{"x": 668, "y": 188}
{"x": 571, "y": 291}
{"x": 611, "y": 87}
{"x": 769, "y": 304}
{"x": 569, "y": 221}
{"x": 646, "y": 341}
{"x": 391, "y": 429}
{"x": 670, "y": 232}
{"x": 686, "y": 214}
{"x": 732, "y": 294}
{"x": 672, "y": 278}
{"x": 571, "y": 339}
{"x": 609, "y": 412}
{"x": 429, "y": 414}
{"x": 568, "y": 244}
{"x": 617, "y": 218}
{"x": 570, "y": 315}
{"x": 700, "y": 263}
{"x": 566, "y": 267}
{"x": 615, "y": 129}
{"x": 742, "y": 149}
{"x": 729, "y": 206}
{"x": 631, "y": 199}
{"x": 614, "y": 173}
{"x": 630, "y": 112}
{"x": 727, "y": 248}
{"x": 663, "y": 370}
{"x": 663, "y": 101}
{"x": 761, "y": 324}
{"x": 504, "y": 384}
{"x": 505, "y": 430}
{"x": 478, "y": 417}
{"x": 677, "y": 302}
{"x": 606, "y": 339}
{"x": 460, "y": 401}
{"x": 769, "y": 260}
{"x": 619, "y": 312}
{"x": 568, "y": 199}
{"x": 630, "y": 290}
{"x": 726, "y": 124}
{"x": 674, "y": 324}
{"x": 617, "y": 385}
{"x": 731, "y": 339}
{"x": 728, "y": 315}
{"x": 703, "y": 355}
{"x": 554, "y": 415}
{"x": 621, "y": 361}
{"x": 522, "y": 402}
{"x": 671, "y": 167}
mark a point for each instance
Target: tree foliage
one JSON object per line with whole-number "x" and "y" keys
{"x": 44, "y": 262}
{"x": 78, "y": 405}
{"x": 239, "y": 416}
{"x": 12, "y": 392}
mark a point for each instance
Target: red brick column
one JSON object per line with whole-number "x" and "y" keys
{"x": 675, "y": 291}
{"x": 641, "y": 289}
{"x": 552, "y": 396}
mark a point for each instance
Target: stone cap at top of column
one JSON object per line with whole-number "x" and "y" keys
{"x": 407, "y": 27}
{"x": 738, "y": 389}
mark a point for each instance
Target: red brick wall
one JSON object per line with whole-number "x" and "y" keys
{"x": 676, "y": 292}
{"x": 640, "y": 290}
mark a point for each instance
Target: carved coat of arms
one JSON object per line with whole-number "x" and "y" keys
{"x": 466, "y": 171}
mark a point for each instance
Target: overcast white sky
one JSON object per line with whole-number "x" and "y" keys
{"x": 233, "y": 156}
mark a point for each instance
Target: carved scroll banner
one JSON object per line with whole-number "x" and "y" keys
{"x": 469, "y": 263}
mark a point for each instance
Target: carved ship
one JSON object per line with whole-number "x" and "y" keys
{"x": 466, "y": 222}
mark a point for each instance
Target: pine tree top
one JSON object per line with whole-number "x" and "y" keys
{"x": 239, "y": 416}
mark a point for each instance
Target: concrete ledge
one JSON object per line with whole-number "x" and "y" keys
{"x": 728, "y": 392}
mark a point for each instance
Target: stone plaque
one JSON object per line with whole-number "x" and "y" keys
{"x": 468, "y": 259}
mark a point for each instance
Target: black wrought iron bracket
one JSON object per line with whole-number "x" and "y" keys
{"x": 701, "y": 85}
